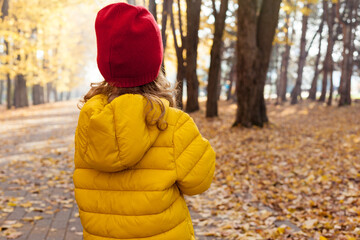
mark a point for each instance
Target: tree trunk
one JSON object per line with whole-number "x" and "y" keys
{"x": 4, "y": 9}
{"x": 330, "y": 15}
{"x": 4, "y": 13}
{"x": 232, "y": 77}
{"x": 192, "y": 39}
{"x": 180, "y": 59}
{"x": 329, "y": 102}
{"x": 56, "y": 95}
{"x": 215, "y": 61}
{"x": 348, "y": 51}
{"x": 254, "y": 46}
{"x": 36, "y": 94}
{"x": 266, "y": 28}
{"x": 313, "y": 89}
{"x": 1, "y": 90}
{"x": 152, "y": 8}
{"x": 20, "y": 92}
{"x": 284, "y": 64}
{"x": 325, "y": 75}
{"x": 167, "y": 4}
{"x": 42, "y": 95}
{"x": 296, "y": 92}
{"x": 8, "y": 91}
{"x": 180, "y": 85}
{"x": 48, "y": 91}
{"x": 219, "y": 85}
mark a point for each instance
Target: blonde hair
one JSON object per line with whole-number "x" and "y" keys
{"x": 153, "y": 92}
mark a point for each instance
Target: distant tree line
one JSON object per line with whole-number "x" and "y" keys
{"x": 39, "y": 56}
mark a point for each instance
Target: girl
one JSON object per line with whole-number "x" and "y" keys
{"x": 135, "y": 154}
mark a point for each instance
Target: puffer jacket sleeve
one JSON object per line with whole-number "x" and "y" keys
{"x": 194, "y": 157}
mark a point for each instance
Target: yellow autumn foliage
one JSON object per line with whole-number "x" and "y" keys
{"x": 39, "y": 42}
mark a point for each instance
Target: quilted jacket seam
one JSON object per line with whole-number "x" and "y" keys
{"x": 139, "y": 237}
{"x": 192, "y": 140}
{"x": 86, "y": 140}
{"x": 130, "y": 169}
{"x": 182, "y": 124}
{"x": 86, "y": 130}
{"x": 202, "y": 181}
{"x": 173, "y": 138}
{"x": 126, "y": 215}
{"x": 197, "y": 161}
{"x": 115, "y": 132}
{"x": 117, "y": 190}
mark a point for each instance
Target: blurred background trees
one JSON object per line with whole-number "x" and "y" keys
{"x": 251, "y": 52}
{"x": 42, "y": 51}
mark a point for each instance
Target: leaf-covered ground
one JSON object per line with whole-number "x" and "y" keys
{"x": 298, "y": 178}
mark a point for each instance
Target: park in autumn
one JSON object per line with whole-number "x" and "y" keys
{"x": 274, "y": 85}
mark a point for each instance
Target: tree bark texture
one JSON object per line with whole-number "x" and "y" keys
{"x": 350, "y": 13}
{"x": 192, "y": 39}
{"x": 215, "y": 61}
{"x": 4, "y": 9}
{"x": 5, "y": 12}
{"x": 254, "y": 46}
{"x": 152, "y": 8}
{"x": 20, "y": 92}
{"x": 179, "y": 49}
{"x": 180, "y": 84}
{"x": 1, "y": 90}
{"x": 8, "y": 92}
{"x": 167, "y": 4}
{"x": 37, "y": 94}
{"x": 329, "y": 16}
{"x": 329, "y": 102}
{"x": 284, "y": 64}
{"x": 246, "y": 62}
{"x": 266, "y": 27}
{"x": 346, "y": 67}
{"x": 313, "y": 89}
{"x": 296, "y": 92}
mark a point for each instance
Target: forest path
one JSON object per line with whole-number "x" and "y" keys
{"x": 36, "y": 159}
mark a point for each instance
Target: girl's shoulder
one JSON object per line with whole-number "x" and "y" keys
{"x": 177, "y": 117}
{"x": 93, "y": 104}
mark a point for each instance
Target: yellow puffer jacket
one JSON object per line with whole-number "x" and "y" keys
{"x": 130, "y": 178}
